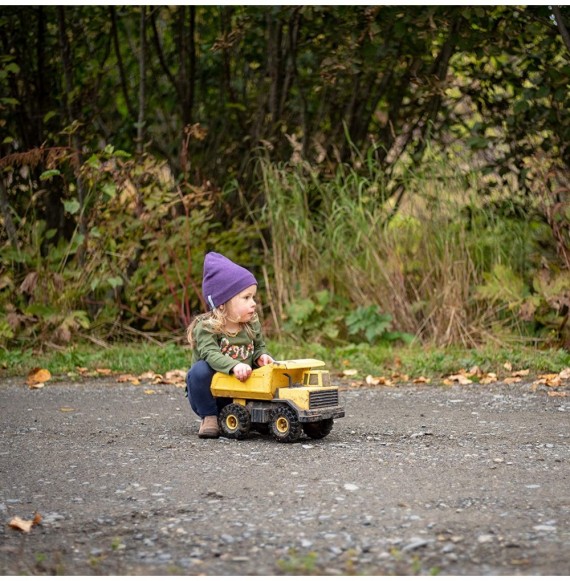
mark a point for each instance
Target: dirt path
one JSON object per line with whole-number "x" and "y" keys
{"x": 460, "y": 481}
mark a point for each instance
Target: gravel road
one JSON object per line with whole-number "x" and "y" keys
{"x": 466, "y": 480}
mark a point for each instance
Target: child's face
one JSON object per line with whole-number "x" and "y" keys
{"x": 242, "y": 307}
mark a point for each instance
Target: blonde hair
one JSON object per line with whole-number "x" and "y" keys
{"x": 215, "y": 322}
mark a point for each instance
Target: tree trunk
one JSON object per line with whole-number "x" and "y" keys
{"x": 142, "y": 82}
{"x": 561, "y": 26}
{"x": 71, "y": 115}
{"x": 122, "y": 75}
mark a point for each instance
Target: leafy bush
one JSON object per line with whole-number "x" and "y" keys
{"x": 374, "y": 325}
{"x": 133, "y": 260}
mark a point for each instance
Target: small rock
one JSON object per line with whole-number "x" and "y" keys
{"x": 415, "y": 544}
{"x": 544, "y": 528}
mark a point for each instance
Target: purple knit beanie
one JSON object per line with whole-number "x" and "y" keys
{"x": 223, "y": 279}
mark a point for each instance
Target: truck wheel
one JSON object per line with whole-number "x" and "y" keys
{"x": 234, "y": 421}
{"x": 284, "y": 425}
{"x": 318, "y": 430}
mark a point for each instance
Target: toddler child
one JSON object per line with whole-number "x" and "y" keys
{"x": 228, "y": 338}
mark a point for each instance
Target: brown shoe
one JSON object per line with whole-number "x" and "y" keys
{"x": 209, "y": 428}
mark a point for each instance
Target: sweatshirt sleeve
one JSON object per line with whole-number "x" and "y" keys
{"x": 258, "y": 343}
{"x": 208, "y": 348}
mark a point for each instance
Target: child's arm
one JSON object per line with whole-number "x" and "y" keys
{"x": 264, "y": 359}
{"x": 208, "y": 349}
{"x": 260, "y": 355}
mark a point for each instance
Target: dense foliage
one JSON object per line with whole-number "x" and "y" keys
{"x": 389, "y": 172}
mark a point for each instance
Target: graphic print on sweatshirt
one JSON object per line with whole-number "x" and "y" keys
{"x": 240, "y": 352}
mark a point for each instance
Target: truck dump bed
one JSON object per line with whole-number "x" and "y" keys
{"x": 263, "y": 382}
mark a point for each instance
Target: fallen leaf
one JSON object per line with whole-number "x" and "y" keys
{"x": 149, "y": 391}
{"x": 148, "y": 375}
{"x": 356, "y": 383}
{"x": 565, "y": 373}
{"x": 475, "y": 371}
{"x": 521, "y": 373}
{"x": 421, "y": 379}
{"x": 557, "y": 394}
{"x": 37, "y": 376}
{"x": 66, "y": 410}
{"x": 508, "y": 366}
{"x": 370, "y": 380}
{"x": 509, "y": 380}
{"x": 551, "y": 380}
{"x": 25, "y": 525}
{"x": 489, "y": 378}
{"x": 175, "y": 377}
{"x": 349, "y": 372}
{"x": 104, "y": 371}
{"x": 460, "y": 378}
{"x": 128, "y": 378}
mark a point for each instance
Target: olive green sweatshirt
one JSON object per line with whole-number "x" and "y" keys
{"x": 223, "y": 352}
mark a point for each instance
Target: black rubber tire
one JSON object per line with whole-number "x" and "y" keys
{"x": 284, "y": 425}
{"x": 318, "y": 430}
{"x": 234, "y": 421}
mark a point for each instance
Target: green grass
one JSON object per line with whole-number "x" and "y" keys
{"x": 434, "y": 363}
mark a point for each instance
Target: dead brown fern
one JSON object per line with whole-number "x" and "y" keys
{"x": 50, "y": 157}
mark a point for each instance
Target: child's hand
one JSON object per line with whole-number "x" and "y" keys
{"x": 242, "y": 371}
{"x": 265, "y": 360}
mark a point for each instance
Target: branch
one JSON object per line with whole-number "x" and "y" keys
{"x": 124, "y": 87}
{"x": 160, "y": 54}
{"x": 561, "y": 26}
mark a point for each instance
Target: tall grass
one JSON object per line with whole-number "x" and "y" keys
{"x": 424, "y": 263}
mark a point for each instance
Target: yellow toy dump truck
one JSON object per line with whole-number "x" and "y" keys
{"x": 284, "y": 399}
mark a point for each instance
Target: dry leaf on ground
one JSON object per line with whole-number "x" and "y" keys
{"x": 127, "y": 377}
{"x": 25, "y": 525}
{"x": 37, "y": 377}
{"x": 370, "y": 380}
{"x": 175, "y": 377}
{"x": 457, "y": 378}
{"x": 149, "y": 375}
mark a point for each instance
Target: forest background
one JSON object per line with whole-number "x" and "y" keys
{"x": 391, "y": 174}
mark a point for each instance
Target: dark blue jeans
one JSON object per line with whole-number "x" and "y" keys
{"x": 198, "y": 382}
